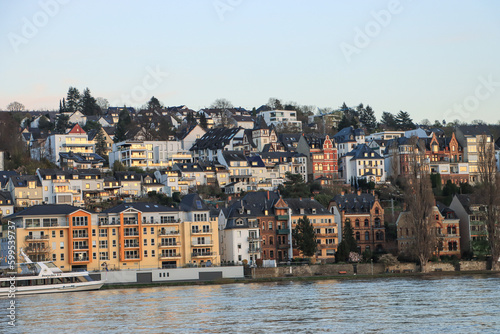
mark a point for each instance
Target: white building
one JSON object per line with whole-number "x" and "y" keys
{"x": 363, "y": 163}
{"x": 281, "y": 117}
{"x": 76, "y": 141}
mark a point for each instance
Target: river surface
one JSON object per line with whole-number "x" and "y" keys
{"x": 464, "y": 304}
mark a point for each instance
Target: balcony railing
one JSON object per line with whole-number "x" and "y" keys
{"x": 36, "y": 237}
{"x": 283, "y": 246}
{"x": 254, "y": 250}
{"x": 80, "y": 236}
{"x": 283, "y": 231}
{"x": 81, "y": 247}
{"x": 282, "y": 217}
{"x": 37, "y": 249}
{"x": 131, "y": 234}
{"x": 169, "y": 255}
{"x": 82, "y": 259}
{"x": 255, "y": 238}
{"x": 170, "y": 244}
{"x": 132, "y": 245}
{"x": 199, "y": 244}
{"x": 202, "y": 254}
{"x": 166, "y": 232}
{"x": 206, "y": 231}
{"x": 130, "y": 222}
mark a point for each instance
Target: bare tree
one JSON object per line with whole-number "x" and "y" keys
{"x": 221, "y": 104}
{"x": 15, "y": 106}
{"x": 420, "y": 201}
{"x": 488, "y": 193}
{"x": 394, "y": 153}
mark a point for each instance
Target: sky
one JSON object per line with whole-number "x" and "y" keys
{"x": 434, "y": 59}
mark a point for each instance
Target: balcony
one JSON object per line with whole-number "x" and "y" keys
{"x": 164, "y": 232}
{"x": 132, "y": 245}
{"x": 80, "y": 236}
{"x": 254, "y": 250}
{"x": 201, "y": 231}
{"x": 203, "y": 254}
{"x": 86, "y": 247}
{"x": 283, "y": 246}
{"x": 80, "y": 259}
{"x": 131, "y": 234}
{"x": 196, "y": 244}
{"x": 169, "y": 255}
{"x": 282, "y": 217}
{"x": 36, "y": 237}
{"x": 35, "y": 250}
{"x": 283, "y": 231}
{"x": 130, "y": 222}
{"x": 255, "y": 238}
{"x": 169, "y": 244}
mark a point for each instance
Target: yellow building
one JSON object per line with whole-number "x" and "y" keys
{"x": 128, "y": 236}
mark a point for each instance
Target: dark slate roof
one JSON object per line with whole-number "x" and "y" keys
{"x": 189, "y": 167}
{"x": 193, "y": 202}
{"x": 446, "y": 211}
{"x": 140, "y": 206}
{"x": 359, "y": 153}
{"x": 256, "y": 161}
{"x": 186, "y": 131}
{"x": 308, "y": 204}
{"x": 289, "y": 140}
{"x": 474, "y": 130}
{"x": 234, "y": 156}
{"x": 354, "y": 203}
{"x": 6, "y": 196}
{"x": 249, "y": 134}
{"x": 120, "y": 176}
{"x": 47, "y": 209}
{"x": 348, "y": 134}
{"x": 239, "y": 118}
{"x": 5, "y": 176}
{"x": 22, "y": 180}
{"x": 252, "y": 205}
{"x": 215, "y": 139}
{"x": 83, "y": 157}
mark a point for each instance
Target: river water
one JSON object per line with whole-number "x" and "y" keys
{"x": 464, "y": 304}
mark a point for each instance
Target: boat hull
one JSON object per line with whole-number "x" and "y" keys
{"x": 53, "y": 288}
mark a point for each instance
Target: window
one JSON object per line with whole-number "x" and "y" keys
{"x": 53, "y": 234}
{"x": 103, "y": 232}
{"x": 367, "y": 235}
{"x": 62, "y": 256}
{"x": 367, "y": 223}
{"x": 54, "y": 257}
{"x": 93, "y": 232}
{"x": 62, "y": 245}
{"x": 114, "y": 255}
{"x": 114, "y": 243}
{"x": 153, "y": 253}
{"x": 358, "y": 236}
{"x": 145, "y": 242}
{"x": 103, "y": 243}
{"x": 152, "y": 242}
{"x": 152, "y": 230}
{"x": 270, "y": 225}
{"x": 80, "y": 221}
{"x": 145, "y": 253}
{"x": 356, "y": 223}
{"x": 145, "y": 230}
{"x": 113, "y": 231}
{"x": 94, "y": 256}
{"x": 103, "y": 256}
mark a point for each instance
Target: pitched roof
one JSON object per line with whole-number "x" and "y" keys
{"x": 348, "y": 134}
{"x": 5, "y": 176}
{"x": 308, "y": 205}
{"x": 193, "y": 202}
{"x": 474, "y": 130}
{"x": 215, "y": 139}
{"x": 354, "y": 203}
{"x": 140, "y": 206}
{"x": 77, "y": 129}
{"x": 47, "y": 209}
{"x": 360, "y": 151}
{"x": 22, "y": 180}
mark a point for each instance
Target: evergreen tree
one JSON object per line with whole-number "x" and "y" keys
{"x": 305, "y": 237}
{"x": 100, "y": 146}
{"x": 389, "y": 121}
{"x": 348, "y": 243}
{"x": 368, "y": 119}
{"x": 62, "y": 123}
{"x": 403, "y": 121}
{"x": 203, "y": 121}
{"x": 295, "y": 186}
{"x": 73, "y": 100}
{"x": 123, "y": 125}
{"x": 89, "y": 104}
{"x": 154, "y": 104}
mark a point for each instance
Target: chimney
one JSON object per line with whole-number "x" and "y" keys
{"x": 312, "y": 198}
{"x": 342, "y": 193}
{"x": 229, "y": 198}
{"x": 359, "y": 192}
{"x": 268, "y": 195}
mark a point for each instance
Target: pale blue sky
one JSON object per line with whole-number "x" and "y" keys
{"x": 432, "y": 59}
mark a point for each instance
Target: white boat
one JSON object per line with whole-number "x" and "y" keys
{"x": 43, "y": 277}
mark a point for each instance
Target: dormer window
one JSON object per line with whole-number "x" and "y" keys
{"x": 313, "y": 211}
{"x": 301, "y": 211}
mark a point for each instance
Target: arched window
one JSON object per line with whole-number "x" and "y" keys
{"x": 367, "y": 235}
{"x": 377, "y": 222}
{"x": 358, "y": 236}
{"x": 454, "y": 230}
{"x": 449, "y": 229}
{"x": 271, "y": 241}
{"x": 357, "y": 223}
{"x": 367, "y": 223}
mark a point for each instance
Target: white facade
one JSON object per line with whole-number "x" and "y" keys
{"x": 65, "y": 143}
{"x": 281, "y": 117}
